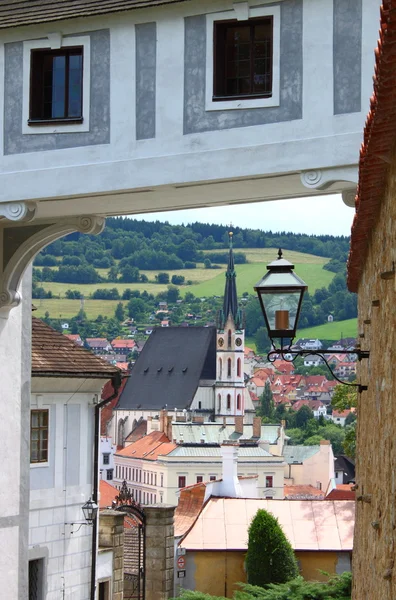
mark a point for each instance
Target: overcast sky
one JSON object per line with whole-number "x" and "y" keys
{"x": 315, "y": 215}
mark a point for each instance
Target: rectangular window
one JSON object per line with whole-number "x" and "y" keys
{"x": 269, "y": 481}
{"x": 162, "y": 480}
{"x": 182, "y": 481}
{"x": 39, "y": 436}
{"x": 212, "y": 478}
{"x": 106, "y": 459}
{"x": 243, "y": 59}
{"x": 104, "y": 590}
{"x": 199, "y": 479}
{"x": 56, "y": 92}
{"x": 109, "y": 474}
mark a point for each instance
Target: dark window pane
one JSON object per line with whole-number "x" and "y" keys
{"x": 58, "y": 87}
{"x": 244, "y": 68}
{"x": 75, "y": 86}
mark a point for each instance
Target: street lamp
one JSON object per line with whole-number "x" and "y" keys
{"x": 90, "y": 512}
{"x": 280, "y": 293}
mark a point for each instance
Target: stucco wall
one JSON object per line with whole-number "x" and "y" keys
{"x": 218, "y": 573}
{"x": 375, "y": 530}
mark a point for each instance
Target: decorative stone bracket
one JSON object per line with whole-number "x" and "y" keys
{"x": 20, "y": 243}
{"x": 318, "y": 179}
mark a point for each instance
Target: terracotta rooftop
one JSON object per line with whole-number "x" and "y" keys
{"x": 378, "y": 144}
{"x": 303, "y": 492}
{"x": 15, "y": 13}
{"x": 137, "y": 433}
{"x": 191, "y": 501}
{"x": 107, "y": 494}
{"x": 54, "y": 354}
{"x": 343, "y": 491}
{"x": 149, "y": 447}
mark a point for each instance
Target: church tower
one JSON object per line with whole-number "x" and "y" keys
{"x": 230, "y": 386}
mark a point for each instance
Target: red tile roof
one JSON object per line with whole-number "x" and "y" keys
{"x": 378, "y": 143}
{"x": 191, "y": 501}
{"x": 123, "y": 344}
{"x": 107, "y": 494}
{"x": 149, "y": 447}
{"x": 303, "y": 492}
{"x": 54, "y": 354}
{"x": 343, "y": 491}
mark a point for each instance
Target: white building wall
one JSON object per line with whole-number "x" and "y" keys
{"x": 60, "y": 487}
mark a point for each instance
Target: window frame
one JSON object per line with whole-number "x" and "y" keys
{"x": 106, "y": 458}
{"x": 109, "y": 472}
{"x": 35, "y": 90}
{"x": 40, "y": 463}
{"x": 179, "y": 478}
{"x": 220, "y": 79}
{"x": 254, "y": 101}
{"x": 269, "y": 477}
{"x": 56, "y": 42}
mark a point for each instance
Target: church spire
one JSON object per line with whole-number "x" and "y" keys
{"x": 230, "y": 302}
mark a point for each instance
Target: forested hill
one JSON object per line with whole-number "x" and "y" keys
{"x": 124, "y": 237}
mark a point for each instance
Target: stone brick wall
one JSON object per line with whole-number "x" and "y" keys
{"x": 375, "y": 529}
{"x": 111, "y": 535}
{"x": 159, "y": 551}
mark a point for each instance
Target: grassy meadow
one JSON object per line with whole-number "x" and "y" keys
{"x": 205, "y": 283}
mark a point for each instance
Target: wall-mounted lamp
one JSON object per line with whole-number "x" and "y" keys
{"x": 90, "y": 511}
{"x": 280, "y": 293}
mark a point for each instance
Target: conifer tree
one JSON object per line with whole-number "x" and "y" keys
{"x": 270, "y": 557}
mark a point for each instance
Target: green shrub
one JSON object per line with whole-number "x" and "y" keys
{"x": 270, "y": 557}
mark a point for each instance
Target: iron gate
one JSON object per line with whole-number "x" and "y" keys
{"x": 134, "y": 544}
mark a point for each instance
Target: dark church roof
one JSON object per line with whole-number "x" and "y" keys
{"x": 170, "y": 367}
{"x": 230, "y": 302}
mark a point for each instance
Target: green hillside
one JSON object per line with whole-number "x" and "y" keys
{"x": 331, "y": 331}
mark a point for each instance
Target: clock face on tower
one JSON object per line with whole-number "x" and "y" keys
{"x": 221, "y": 342}
{"x": 238, "y": 342}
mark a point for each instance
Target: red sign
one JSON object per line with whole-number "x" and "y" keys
{"x": 181, "y": 562}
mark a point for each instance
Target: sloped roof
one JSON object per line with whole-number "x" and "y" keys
{"x": 107, "y": 494}
{"x": 215, "y": 452}
{"x": 54, "y": 355}
{"x": 15, "y": 13}
{"x": 297, "y": 454}
{"x": 216, "y": 433}
{"x": 191, "y": 501}
{"x": 170, "y": 367}
{"x": 149, "y": 447}
{"x": 343, "y": 491}
{"x": 308, "y": 524}
{"x": 378, "y": 144}
{"x": 304, "y": 492}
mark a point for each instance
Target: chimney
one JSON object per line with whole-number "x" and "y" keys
{"x": 168, "y": 427}
{"x": 239, "y": 424}
{"x": 224, "y": 421}
{"x": 162, "y": 420}
{"x": 230, "y": 486}
{"x": 149, "y": 425}
{"x": 325, "y": 442}
{"x": 257, "y": 427}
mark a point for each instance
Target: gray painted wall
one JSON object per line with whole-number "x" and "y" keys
{"x": 146, "y": 59}
{"x": 196, "y": 119}
{"x": 42, "y": 478}
{"x": 347, "y": 51}
{"x": 99, "y": 120}
{"x": 72, "y": 437}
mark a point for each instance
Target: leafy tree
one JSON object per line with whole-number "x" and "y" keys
{"x": 303, "y": 415}
{"x": 270, "y": 557}
{"x": 207, "y": 263}
{"x": 263, "y": 344}
{"x": 129, "y": 274}
{"x": 173, "y": 294}
{"x": 137, "y": 309}
{"x": 266, "y": 408}
{"x": 177, "y": 279}
{"x": 119, "y": 312}
{"x": 344, "y": 397}
{"x": 349, "y": 443}
{"x": 73, "y": 294}
{"x": 162, "y": 278}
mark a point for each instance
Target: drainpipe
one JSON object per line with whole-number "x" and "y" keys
{"x": 116, "y": 381}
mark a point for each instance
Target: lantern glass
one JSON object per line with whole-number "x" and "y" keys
{"x": 90, "y": 509}
{"x": 280, "y": 293}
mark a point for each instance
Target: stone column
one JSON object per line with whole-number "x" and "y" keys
{"x": 159, "y": 548}
{"x": 111, "y": 535}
